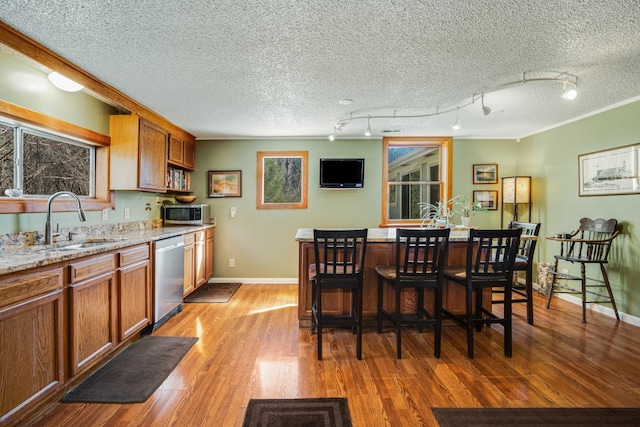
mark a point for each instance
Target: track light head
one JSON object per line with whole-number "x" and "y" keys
{"x": 368, "y": 131}
{"x": 569, "y": 91}
{"x": 485, "y": 110}
{"x": 332, "y": 137}
{"x": 457, "y": 124}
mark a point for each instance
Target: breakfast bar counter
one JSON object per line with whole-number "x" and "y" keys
{"x": 380, "y": 251}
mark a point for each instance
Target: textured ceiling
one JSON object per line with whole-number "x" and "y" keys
{"x": 277, "y": 68}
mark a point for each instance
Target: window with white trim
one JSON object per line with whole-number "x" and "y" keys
{"x": 41, "y": 163}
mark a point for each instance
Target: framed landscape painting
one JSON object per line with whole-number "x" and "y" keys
{"x": 282, "y": 180}
{"x": 225, "y": 183}
{"x": 485, "y": 173}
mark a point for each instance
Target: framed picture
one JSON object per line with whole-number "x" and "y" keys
{"x": 485, "y": 174}
{"x": 282, "y": 180}
{"x": 225, "y": 184}
{"x": 486, "y": 199}
{"x": 609, "y": 172}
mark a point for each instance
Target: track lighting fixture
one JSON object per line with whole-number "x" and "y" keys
{"x": 485, "y": 110}
{"x": 368, "y": 131}
{"x": 456, "y": 125}
{"x": 569, "y": 92}
{"x": 332, "y": 137}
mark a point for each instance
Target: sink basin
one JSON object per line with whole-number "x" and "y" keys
{"x": 83, "y": 245}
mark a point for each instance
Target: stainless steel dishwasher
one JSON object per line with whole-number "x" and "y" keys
{"x": 168, "y": 278}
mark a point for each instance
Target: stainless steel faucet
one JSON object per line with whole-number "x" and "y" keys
{"x": 48, "y": 231}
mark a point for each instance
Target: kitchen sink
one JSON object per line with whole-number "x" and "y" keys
{"x": 82, "y": 245}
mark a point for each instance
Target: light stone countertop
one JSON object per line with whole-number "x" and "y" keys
{"x": 384, "y": 235}
{"x": 42, "y": 255}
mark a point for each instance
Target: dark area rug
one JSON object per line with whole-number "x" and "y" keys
{"x": 322, "y": 412}
{"x": 134, "y": 374}
{"x": 485, "y": 417}
{"x": 213, "y": 292}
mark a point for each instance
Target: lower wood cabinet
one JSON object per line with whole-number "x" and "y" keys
{"x": 189, "y": 262}
{"x": 92, "y": 310}
{"x": 31, "y": 341}
{"x": 198, "y": 258}
{"x": 134, "y": 291}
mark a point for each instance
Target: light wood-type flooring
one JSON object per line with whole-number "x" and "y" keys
{"x": 252, "y": 347}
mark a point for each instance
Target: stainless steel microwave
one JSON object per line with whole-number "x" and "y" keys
{"x": 186, "y": 214}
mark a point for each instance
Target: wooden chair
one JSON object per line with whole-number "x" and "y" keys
{"x": 524, "y": 262}
{"x": 490, "y": 257}
{"x": 420, "y": 255}
{"x": 590, "y": 243}
{"x": 339, "y": 264}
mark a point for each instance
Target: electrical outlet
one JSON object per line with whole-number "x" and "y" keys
{"x": 233, "y": 211}
{"x": 158, "y": 201}
{"x": 565, "y": 271}
{"x": 232, "y": 262}
{"x": 105, "y": 214}
{"x": 126, "y": 213}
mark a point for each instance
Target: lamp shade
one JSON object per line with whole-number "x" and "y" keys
{"x": 516, "y": 189}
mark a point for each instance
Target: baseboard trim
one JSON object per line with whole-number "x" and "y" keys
{"x": 624, "y": 317}
{"x": 256, "y": 280}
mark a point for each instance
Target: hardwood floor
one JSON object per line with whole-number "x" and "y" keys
{"x": 252, "y": 347}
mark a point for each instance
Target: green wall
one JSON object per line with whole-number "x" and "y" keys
{"x": 552, "y": 158}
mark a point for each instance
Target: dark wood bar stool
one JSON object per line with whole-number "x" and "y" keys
{"x": 523, "y": 262}
{"x": 339, "y": 264}
{"x": 490, "y": 257}
{"x": 420, "y": 257}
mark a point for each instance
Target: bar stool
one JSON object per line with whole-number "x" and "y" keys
{"x": 339, "y": 264}
{"x": 489, "y": 264}
{"x": 523, "y": 262}
{"x": 420, "y": 256}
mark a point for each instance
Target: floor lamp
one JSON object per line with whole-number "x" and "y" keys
{"x": 516, "y": 190}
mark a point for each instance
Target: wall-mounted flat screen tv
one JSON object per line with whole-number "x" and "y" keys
{"x": 341, "y": 173}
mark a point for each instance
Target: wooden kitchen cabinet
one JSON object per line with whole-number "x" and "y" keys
{"x": 134, "y": 290}
{"x": 189, "y": 263}
{"x": 92, "y": 310}
{"x": 138, "y": 154}
{"x": 200, "y": 257}
{"x": 208, "y": 259}
{"x": 31, "y": 340}
{"x": 182, "y": 153}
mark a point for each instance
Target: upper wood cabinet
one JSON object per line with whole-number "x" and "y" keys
{"x": 182, "y": 153}
{"x": 138, "y": 154}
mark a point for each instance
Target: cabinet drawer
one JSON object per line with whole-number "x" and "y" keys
{"x": 210, "y": 233}
{"x": 200, "y": 236}
{"x": 189, "y": 238}
{"x": 29, "y": 285}
{"x": 90, "y": 267}
{"x": 134, "y": 254}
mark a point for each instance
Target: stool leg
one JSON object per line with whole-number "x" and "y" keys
{"x": 529, "y": 291}
{"x": 605, "y": 277}
{"x": 380, "y": 291}
{"x": 319, "y": 318}
{"x": 398, "y": 318}
{"x": 553, "y": 282}
{"x": 584, "y": 292}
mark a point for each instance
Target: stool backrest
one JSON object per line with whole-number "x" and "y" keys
{"x": 491, "y": 254}
{"x": 340, "y": 254}
{"x": 528, "y": 238}
{"x": 420, "y": 253}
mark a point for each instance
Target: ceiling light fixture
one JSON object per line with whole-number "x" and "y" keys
{"x": 569, "y": 81}
{"x": 368, "y": 131}
{"x": 64, "y": 83}
{"x": 569, "y": 91}
{"x": 485, "y": 110}
{"x": 456, "y": 125}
